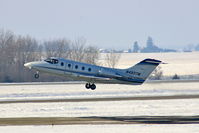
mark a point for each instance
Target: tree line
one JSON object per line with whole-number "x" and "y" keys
{"x": 15, "y": 50}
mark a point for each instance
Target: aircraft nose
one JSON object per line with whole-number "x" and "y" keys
{"x": 28, "y": 65}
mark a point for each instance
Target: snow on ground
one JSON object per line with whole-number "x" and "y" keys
{"x": 143, "y": 128}
{"x": 178, "y": 63}
{"x": 105, "y": 108}
{"x": 182, "y": 107}
{"x": 43, "y": 90}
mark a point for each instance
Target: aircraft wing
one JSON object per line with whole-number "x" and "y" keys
{"x": 91, "y": 77}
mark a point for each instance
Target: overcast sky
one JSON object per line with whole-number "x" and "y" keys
{"x": 106, "y": 23}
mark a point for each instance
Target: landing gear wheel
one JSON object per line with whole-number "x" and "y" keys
{"x": 87, "y": 85}
{"x": 93, "y": 87}
{"x": 90, "y": 86}
{"x": 36, "y": 75}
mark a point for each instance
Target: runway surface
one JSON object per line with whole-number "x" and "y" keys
{"x": 68, "y": 104}
{"x": 100, "y": 120}
{"x": 101, "y": 99}
{"x": 81, "y": 82}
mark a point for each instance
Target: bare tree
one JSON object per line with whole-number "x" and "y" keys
{"x": 175, "y": 77}
{"x": 24, "y": 49}
{"x": 81, "y": 52}
{"x": 57, "y": 48}
{"x": 91, "y": 55}
{"x": 7, "y": 39}
{"x": 7, "y": 54}
{"x": 112, "y": 58}
{"x": 156, "y": 74}
{"x": 77, "y": 51}
{"x": 16, "y": 50}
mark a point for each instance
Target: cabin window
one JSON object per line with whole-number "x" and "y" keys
{"x": 62, "y": 64}
{"x": 55, "y": 61}
{"x": 48, "y": 60}
{"x": 76, "y": 66}
{"x": 83, "y": 68}
{"x": 69, "y": 65}
{"x": 89, "y": 69}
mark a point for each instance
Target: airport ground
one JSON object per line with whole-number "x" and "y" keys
{"x": 56, "y": 104}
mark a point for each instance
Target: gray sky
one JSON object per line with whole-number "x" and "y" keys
{"x": 106, "y": 23}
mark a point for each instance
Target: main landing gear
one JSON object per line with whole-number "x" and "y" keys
{"x": 36, "y": 75}
{"x": 90, "y": 86}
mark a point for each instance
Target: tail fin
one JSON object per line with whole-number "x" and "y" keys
{"x": 143, "y": 69}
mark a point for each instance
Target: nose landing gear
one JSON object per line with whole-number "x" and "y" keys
{"x": 36, "y": 75}
{"x": 90, "y": 86}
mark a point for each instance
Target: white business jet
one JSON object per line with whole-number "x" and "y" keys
{"x": 135, "y": 75}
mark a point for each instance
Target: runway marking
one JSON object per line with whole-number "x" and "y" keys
{"x": 100, "y": 120}
{"x": 171, "y": 97}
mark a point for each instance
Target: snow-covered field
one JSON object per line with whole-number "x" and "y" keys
{"x": 64, "y": 90}
{"x": 135, "y": 128}
{"x": 181, "y": 107}
{"x": 178, "y": 63}
{"x": 110, "y": 108}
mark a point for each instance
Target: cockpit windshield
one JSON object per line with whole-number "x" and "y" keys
{"x": 52, "y": 61}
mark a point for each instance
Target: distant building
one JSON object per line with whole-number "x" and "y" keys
{"x": 189, "y": 48}
{"x": 151, "y": 48}
{"x": 197, "y": 47}
{"x": 136, "y": 47}
{"x": 125, "y": 51}
{"x": 129, "y": 50}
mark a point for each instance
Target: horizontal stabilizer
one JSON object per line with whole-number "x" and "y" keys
{"x": 151, "y": 61}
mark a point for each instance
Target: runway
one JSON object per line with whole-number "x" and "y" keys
{"x": 82, "y": 83}
{"x": 171, "y": 97}
{"x": 69, "y": 104}
{"x": 99, "y": 120}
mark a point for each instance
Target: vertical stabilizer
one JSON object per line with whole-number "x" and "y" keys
{"x": 143, "y": 69}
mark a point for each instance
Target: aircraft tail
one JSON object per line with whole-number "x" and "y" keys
{"x": 143, "y": 69}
